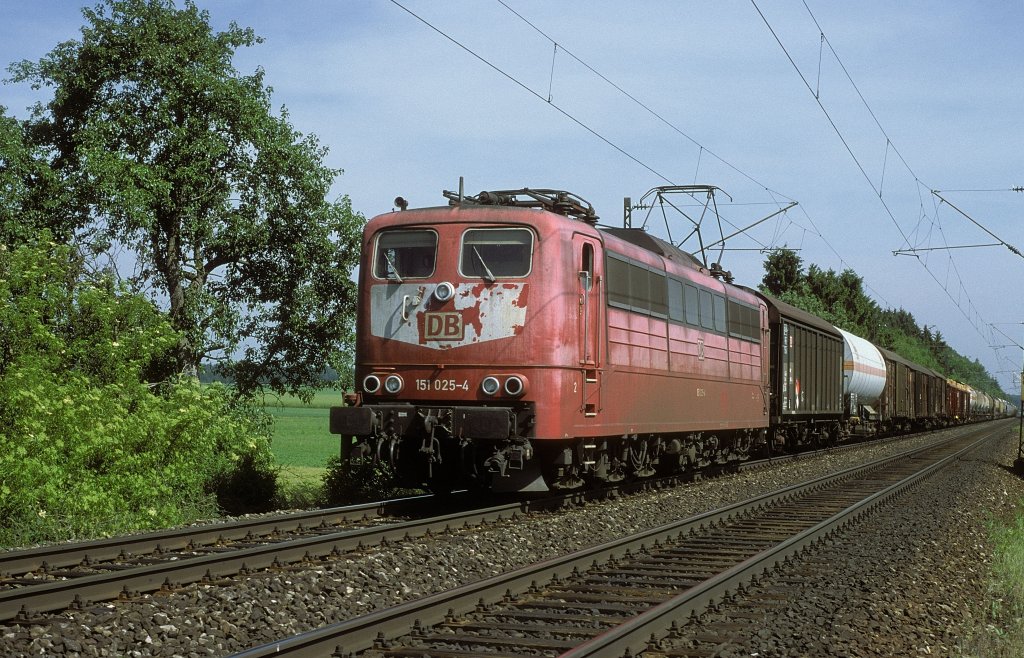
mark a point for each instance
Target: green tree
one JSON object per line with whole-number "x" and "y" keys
{"x": 783, "y": 271}
{"x": 842, "y": 299}
{"x": 168, "y": 153}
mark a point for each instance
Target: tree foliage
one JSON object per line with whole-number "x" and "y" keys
{"x": 841, "y": 300}
{"x": 163, "y": 150}
{"x": 783, "y": 272}
{"x": 28, "y": 191}
{"x": 89, "y": 446}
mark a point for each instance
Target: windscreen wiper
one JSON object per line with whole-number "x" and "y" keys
{"x": 394, "y": 268}
{"x": 489, "y": 276}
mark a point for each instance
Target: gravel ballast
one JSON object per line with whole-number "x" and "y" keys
{"x": 942, "y": 554}
{"x": 909, "y": 581}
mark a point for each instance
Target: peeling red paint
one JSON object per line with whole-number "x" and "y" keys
{"x": 524, "y": 297}
{"x": 420, "y": 328}
{"x": 471, "y": 318}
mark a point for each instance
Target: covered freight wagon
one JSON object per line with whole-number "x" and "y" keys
{"x": 806, "y": 375}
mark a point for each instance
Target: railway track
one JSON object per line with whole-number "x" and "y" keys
{"x": 50, "y": 578}
{"x": 36, "y": 581}
{"x": 624, "y": 596}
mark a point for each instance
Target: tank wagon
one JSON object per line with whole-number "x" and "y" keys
{"x": 864, "y": 377}
{"x": 507, "y": 341}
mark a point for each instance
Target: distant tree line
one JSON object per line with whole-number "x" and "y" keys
{"x": 840, "y": 299}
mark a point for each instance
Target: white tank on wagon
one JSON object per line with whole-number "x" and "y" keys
{"x": 981, "y": 403}
{"x": 863, "y": 369}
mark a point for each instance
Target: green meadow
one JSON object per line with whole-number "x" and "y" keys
{"x": 302, "y": 442}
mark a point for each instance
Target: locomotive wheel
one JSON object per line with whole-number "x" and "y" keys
{"x": 673, "y": 464}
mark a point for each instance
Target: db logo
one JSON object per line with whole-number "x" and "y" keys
{"x": 442, "y": 326}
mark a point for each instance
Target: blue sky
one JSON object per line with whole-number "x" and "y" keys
{"x": 405, "y": 111}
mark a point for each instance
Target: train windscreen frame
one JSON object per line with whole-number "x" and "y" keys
{"x": 496, "y": 253}
{"x": 405, "y": 254}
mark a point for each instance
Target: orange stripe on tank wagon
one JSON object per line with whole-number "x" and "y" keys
{"x": 868, "y": 370}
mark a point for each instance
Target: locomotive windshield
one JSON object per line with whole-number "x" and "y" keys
{"x": 405, "y": 254}
{"x": 490, "y": 253}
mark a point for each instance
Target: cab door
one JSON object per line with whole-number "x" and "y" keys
{"x": 766, "y": 386}
{"x": 589, "y": 284}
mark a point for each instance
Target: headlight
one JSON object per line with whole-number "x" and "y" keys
{"x": 444, "y": 291}
{"x": 490, "y": 385}
{"x": 514, "y": 386}
{"x": 371, "y": 383}
{"x": 393, "y": 384}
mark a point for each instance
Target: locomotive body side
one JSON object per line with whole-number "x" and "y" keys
{"x": 685, "y": 350}
{"x": 686, "y": 367}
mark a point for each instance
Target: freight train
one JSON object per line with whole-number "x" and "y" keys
{"x": 506, "y": 341}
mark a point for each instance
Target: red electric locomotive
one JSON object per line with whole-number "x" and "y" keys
{"x": 507, "y": 341}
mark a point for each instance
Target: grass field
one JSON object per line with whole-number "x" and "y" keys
{"x": 302, "y": 443}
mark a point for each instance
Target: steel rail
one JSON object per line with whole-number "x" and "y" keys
{"x": 361, "y": 633}
{"x": 22, "y": 602}
{"x": 634, "y": 635}
{"x": 71, "y": 554}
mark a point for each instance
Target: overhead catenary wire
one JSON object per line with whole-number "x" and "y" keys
{"x": 839, "y": 133}
{"x": 701, "y": 147}
{"x": 1004, "y": 243}
{"x": 558, "y": 49}
{"x": 637, "y": 101}
{"x": 999, "y": 189}
{"x": 889, "y": 145}
{"x": 526, "y": 87}
{"x": 550, "y": 101}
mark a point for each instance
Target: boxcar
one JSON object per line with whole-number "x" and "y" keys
{"x": 958, "y": 401}
{"x": 806, "y": 376}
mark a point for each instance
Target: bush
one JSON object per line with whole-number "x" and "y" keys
{"x": 349, "y": 483}
{"x": 90, "y": 447}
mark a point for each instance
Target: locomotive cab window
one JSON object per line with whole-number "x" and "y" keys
{"x": 405, "y": 254}
{"x": 491, "y": 253}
